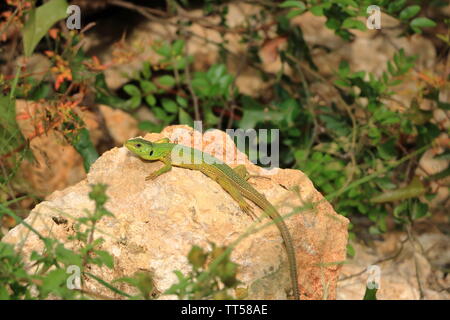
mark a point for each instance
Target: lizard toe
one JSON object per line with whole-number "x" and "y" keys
{"x": 247, "y": 209}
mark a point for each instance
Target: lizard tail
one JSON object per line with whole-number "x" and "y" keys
{"x": 270, "y": 210}
{"x": 285, "y": 234}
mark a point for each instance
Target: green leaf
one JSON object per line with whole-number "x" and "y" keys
{"x": 371, "y": 294}
{"x": 135, "y": 93}
{"x": 151, "y": 100}
{"x": 440, "y": 175}
{"x": 342, "y": 83}
{"x": 164, "y": 49}
{"x": 293, "y": 4}
{"x": 105, "y": 258}
{"x": 160, "y": 113}
{"x": 134, "y": 102}
{"x": 68, "y": 257}
{"x": 317, "y": 10}
{"x": 298, "y": 8}
{"x": 409, "y": 12}
{"x": 98, "y": 194}
{"x": 177, "y": 47}
{"x": 422, "y": 22}
{"x": 147, "y": 87}
{"x": 40, "y": 91}
{"x": 351, "y": 23}
{"x": 344, "y": 68}
{"x": 418, "y": 210}
{"x": 197, "y": 257}
{"x": 83, "y": 144}
{"x": 40, "y": 20}
{"x": 149, "y": 126}
{"x": 333, "y": 24}
{"x": 387, "y": 149}
{"x": 336, "y": 125}
{"x": 444, "y": 105}
{"x": 179, "y": 63}
{"x": 104, "y": 96}
{"x": 396, "y": 5}
{"x": 55, "y": 282}
{"x": 145, "y": 283}
{"x": 216, "y": 72}
{"x": 391, "y": 68}
{"x": 146, "y": 70}
{"x": 4, "y": 294}
{"x": 201, "y": 86}
{"x": 132, "y": 90}
{"x": 10, "y": 134}
{"x": 185, "y": 118}
{"x": 414, "y": 189}
{"x": 182, "y": 101}
{"x": 350, "y": 250}
{"x": 294, "y": 13}
{"x": 169, "y": 105}
{"x": 252, "y": 117}
{"x": 166, "y": 81}
{"x": 180, "y": 286}
{"x": 443, "y": 156}
{"x": 385, "y": 183}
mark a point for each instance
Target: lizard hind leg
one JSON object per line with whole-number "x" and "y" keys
{"x": 241, "y": 171}
{"x": 237, "y": 196}
{"x": 247, "y": 208}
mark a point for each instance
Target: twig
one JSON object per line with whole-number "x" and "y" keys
{"x": 413, "y": 240}
{"x": 393, "y": 257}
{"x": 341, "y": 103}
{"x": 11, "y": 18}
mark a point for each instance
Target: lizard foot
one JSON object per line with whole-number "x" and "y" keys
{"x": 247, "y": 209}
{"x": 151, "y": 176}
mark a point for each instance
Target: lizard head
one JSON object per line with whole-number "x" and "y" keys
{"x": 144, "y": 149}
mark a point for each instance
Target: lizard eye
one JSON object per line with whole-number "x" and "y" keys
{"x": 150, "y": 153}
{"x": 138, "y": 145}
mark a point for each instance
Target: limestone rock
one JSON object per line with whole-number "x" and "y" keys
{"x": 430, "y": 165}
{"x": 56, "y": 163}
{"x": 400, "y": 268}
{"x": 121, "y": 125}
{"x": 157, "y": 222}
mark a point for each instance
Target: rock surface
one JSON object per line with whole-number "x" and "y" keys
{"x": 157, "y": 222}
{"x": 402, "y": 263}
{"x": 56, "y": 163}
{"x": 120, "y": 125}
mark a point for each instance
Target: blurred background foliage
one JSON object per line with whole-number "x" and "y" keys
{"x": 349, "y": 102}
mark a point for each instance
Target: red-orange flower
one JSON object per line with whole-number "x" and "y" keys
{"x": 61, "y": 69}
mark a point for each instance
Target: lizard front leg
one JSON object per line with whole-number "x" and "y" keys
{"x": 167, "y": 167}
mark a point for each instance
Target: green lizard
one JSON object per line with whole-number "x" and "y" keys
{"x": 232, "y": 181}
